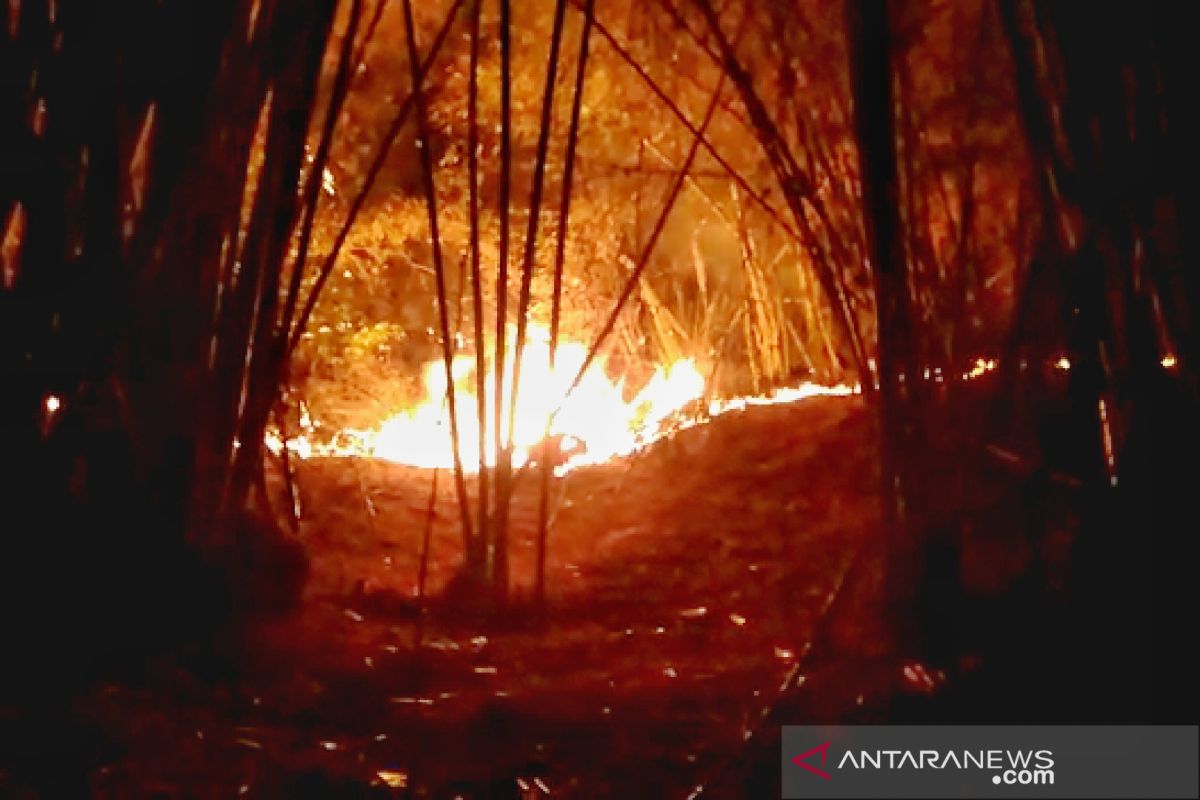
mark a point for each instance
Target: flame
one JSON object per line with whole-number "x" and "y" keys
{"x": 594, "y": 418}
{"x": 595, "y": 414}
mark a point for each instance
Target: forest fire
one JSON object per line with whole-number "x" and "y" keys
{"x": 596, "y": 398}
{"x": 593, "y": 419}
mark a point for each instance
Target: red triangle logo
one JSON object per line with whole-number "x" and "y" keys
{"x": 823, "y": 749}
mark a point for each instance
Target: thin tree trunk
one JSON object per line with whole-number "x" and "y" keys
{"x": 460, "y": 486}
{"x": 870, "y": 42}
{"x": 476, "y": 553}
{"x": 498, "y": 548}
{"x": 560, "y": 250}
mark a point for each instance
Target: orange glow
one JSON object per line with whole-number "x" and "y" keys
{"x": 594, "y": 414}
{"x": 981, "y": 367}
{"x": 595, "y": 418}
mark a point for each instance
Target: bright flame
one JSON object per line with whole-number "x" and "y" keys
{"x": 594, "y": 419}
{"x": 595, "y": 414}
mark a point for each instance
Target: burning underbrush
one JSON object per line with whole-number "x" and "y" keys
{"x": 685, "y": 582}
{"x": 560, "y": 392}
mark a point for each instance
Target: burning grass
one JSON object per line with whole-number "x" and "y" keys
{"x": 563, "y": 394}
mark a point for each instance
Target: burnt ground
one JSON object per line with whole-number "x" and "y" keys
{"x": 686, "y": 584}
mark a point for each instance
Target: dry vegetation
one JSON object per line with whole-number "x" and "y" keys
{"x": 728, "y": 283}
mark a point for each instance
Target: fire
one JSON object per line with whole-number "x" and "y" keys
{"x": 595, "y": 418}
{"x": 595, "y": 414}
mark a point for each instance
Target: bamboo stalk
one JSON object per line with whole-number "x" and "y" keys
{"x": 475, "y": 556}
{"x": 635, "y": 275}
{"x": 560, "y": 248}
{"x": 627, "y": 58}
{"x": 503, "y": 470}
{"x": 427, "y": 537}
{"x": 312, "y": 188}
{"x": 276, "y": 208}
{"x": 373, "y": 171}
{"x": 800, "y": 231}
{"x": 360, "y": 55}
{"x": 439, "y": 268}
{"x": 796, "y": 186}
{"x": 500, "y": 585}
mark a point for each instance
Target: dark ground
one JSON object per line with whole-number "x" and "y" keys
{"x": 685, "y": 583}
{"x": 702, "y": 593}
